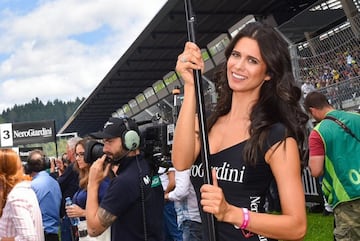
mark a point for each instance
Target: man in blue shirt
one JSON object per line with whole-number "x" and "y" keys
{"x": 48, "y": 193}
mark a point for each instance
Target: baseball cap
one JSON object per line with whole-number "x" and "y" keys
{"x": 114, "y": 127}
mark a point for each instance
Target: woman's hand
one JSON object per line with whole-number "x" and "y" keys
{"x": 190, "y": 59}
{"x": 75, "y": 211}
{"x": 213, "y": 199}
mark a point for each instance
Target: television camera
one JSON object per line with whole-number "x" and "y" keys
{"x": 156, "y": 143}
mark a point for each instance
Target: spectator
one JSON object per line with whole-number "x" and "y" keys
{"x": 78, "y": 209}
{"x": 20, "y": 215}
{"x": 69, "y": 184}
{"x": 307, "y": 87}
{"x": 186, "y": 205}
{"x": 48, "y": 193}
{"x": 255, "y": 132}
{"x": 334, "y": 147}
{"x": 326, "y": 78}
{"x": 61, "y": 164}
{"x": 133, "y": 202}
{"x": 336, "y": 76}
{"x": 53, "y": 171}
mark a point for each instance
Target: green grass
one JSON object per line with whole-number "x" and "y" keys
{"x": 319, "y": 227}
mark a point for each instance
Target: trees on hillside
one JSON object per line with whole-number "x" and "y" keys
{"x": 36, "y": 110}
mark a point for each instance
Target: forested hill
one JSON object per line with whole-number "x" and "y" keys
{"x": 36, "y": 110}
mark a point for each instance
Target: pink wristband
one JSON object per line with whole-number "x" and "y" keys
{"x": 246, "y": 218}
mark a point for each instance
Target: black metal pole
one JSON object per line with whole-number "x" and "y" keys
{"x": 55, "y": 140}
{"x": 209, "y": 218}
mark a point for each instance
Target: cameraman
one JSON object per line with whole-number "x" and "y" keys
{"x": 133, "y": 203}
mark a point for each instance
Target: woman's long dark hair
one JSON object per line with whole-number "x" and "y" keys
{"x": 279, "y": 97}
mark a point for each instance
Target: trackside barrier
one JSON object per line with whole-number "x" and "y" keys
{"x": 312, "y": 187}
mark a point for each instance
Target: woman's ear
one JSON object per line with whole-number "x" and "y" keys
{"x": 268, "y": 76}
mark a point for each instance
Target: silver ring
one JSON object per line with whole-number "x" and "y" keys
{"x": 183, "y": 59}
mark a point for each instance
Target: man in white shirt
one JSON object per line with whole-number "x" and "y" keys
{"x": 172, "y": 231}
{"x": 307, "y": 87}
{"x": 186, "y": 206}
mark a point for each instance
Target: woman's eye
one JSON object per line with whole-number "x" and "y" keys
{"x": 235, "y": 54}
{"x": 253, "y": 61}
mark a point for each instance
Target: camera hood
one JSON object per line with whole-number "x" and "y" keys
{"x": 93, "y": 151}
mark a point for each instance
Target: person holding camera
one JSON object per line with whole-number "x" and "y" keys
{"x": 133, "y": 203}
{"x": 47, "y": 191}
{"x": 84, "y": 159}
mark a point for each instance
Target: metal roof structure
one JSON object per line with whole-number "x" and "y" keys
{"x": 154, "y": 53}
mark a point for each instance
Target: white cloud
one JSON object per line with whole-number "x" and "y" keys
{"x": 45, "y": 60}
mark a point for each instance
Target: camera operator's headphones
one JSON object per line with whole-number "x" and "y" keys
{"x": 36, "y": 165}
{"x": 130, "y": 137}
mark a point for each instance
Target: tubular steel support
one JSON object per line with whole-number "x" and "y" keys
{"x": 209, "y": 218}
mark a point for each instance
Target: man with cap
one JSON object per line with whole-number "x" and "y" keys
{"x": 133, "y": 203}
{"x": 334, "y": 147}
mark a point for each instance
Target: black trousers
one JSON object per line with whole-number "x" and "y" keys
{"x": 51, "y": 236}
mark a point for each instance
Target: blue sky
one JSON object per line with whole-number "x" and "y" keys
{"x": 62, "y": 49}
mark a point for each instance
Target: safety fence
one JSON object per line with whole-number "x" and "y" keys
{"x": 312, "y": 189}
{"x": 330, "y": 62}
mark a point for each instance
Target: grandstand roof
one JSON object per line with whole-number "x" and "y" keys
{"x": 154, "y": 53}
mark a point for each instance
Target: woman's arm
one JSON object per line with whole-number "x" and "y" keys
{"x": 186, "y": 143}
{"x": 285, "y": 165}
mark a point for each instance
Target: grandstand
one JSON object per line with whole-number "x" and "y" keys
{"x": 331, "y": 61}
{"x": 323, "y": 39}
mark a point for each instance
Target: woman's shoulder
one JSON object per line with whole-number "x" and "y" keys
{"x": 277, "y": 128}
{"x": 22, "y": 185}
{"x": 22, "y": 190}
{"x": 277, "y": 132}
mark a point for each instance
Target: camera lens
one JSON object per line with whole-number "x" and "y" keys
{"x": 93, "y": 151}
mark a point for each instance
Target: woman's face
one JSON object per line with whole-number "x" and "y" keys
{"x": 79, "y": 156}
{"x": 246, "y": 70}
